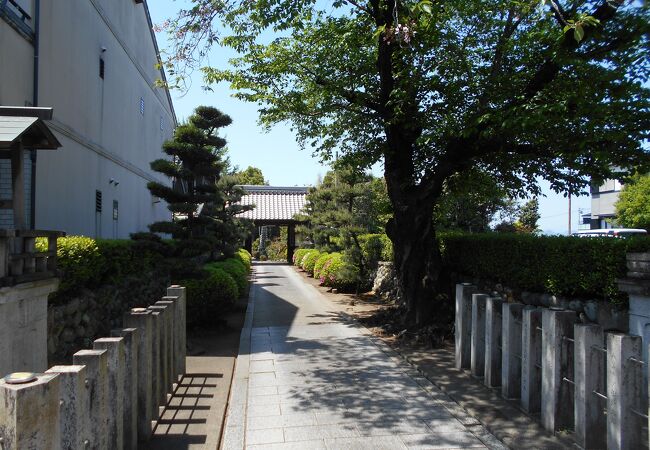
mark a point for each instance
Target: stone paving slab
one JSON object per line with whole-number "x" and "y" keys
{"x": 307, "y": 378}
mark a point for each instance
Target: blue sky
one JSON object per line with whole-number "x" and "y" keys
{"x": 278, "y": 154}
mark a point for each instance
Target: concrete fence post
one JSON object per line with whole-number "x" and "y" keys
{"x": 73, "y": 415}
{"x": 511, "y": 350}
{"x": 181, "y": 326}
{"x": 463, "y": 332}
{"x": 156, "y": 353}
{"x": 141, "y": 319}
{"x": 493, "y": 324}
{"x": 531, "y": 360}
{"x": 165, "y": 330}
{"x": 625, "y": 392}
{"x": 557, "y": 368}
{"x": 589, "y": 369}
{"x": 170, "y": 303}
{"x": 130, "y": 338}
{"x": 477, "y": 356}
{"x": 29, "y": 414}
{"x": 114, "y": 347}
{"x": 96, "y": 362}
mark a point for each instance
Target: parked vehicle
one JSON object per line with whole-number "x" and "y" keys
{"x": 611, "y": 232}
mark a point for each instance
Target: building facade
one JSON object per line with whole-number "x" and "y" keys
{"x": 603, "y": 204}
{"x": 96, "y": 63}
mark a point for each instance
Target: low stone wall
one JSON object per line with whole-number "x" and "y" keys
{"x": 112, "y": 394}
{"x": 578, "y": 376}
{"x": 75, "y": 324}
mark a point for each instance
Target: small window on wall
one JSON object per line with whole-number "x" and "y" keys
{"x": 98, "y": 201}
{"x": 101, "y": 68}
{"x": 141, "y": 106}
{"x": 162, "y": 126}
{"x": 115, "y": 210}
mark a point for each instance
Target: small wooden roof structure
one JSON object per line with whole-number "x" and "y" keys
{"x": 274, "y": 205}
{"x": 25, "y": 127}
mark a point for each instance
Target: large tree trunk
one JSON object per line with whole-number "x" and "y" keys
{"x": 417, "y": 261}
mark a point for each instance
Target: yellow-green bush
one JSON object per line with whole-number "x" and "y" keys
{"x": 338, "y": 273}
{"x": 245, "y": 257}
{"x": 309, "y": 260}
{"x": 235, "y": 268}
{"x": 320, "y": 262}
{"x": 298, "y": 255}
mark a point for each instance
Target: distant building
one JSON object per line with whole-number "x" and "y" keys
{"x": 95, "y": 62}
{"x": 603, "y": 201}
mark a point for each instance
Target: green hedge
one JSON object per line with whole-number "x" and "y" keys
{"x": 208, "y": 298}
{"x": 236, "y": 269}
{"x": 320, "y": 262}
{"x": 245, "y": 257}
{"x": 298, "y": 255}
{"x": 376, "y": 247}
{"x": 309, "y": 260}
{"x": 567, "y": 266}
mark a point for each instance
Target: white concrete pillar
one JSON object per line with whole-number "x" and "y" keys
{"x": 156, "y": 353}
{"x": 114, "y": 347}
{"x": 477, "y": 350}
{"x": 170, "y": 303}
{"x": 493, "y": 324}
{"x": 29, "y": 414}
{"x": 73, "y": 415}
{"x": 130, "y": 338}
{"x": 96, "y": 362}
{"x": 557, "y": 366}
{"x": 141, "y": 319}
{"x": 165, "y": 330}
{"x": 463, "y": 333}
{"x": 511, "y": 350}
{"x": 181, "y": 293}
{"x": 589, "y": 369}
{"x": 531, "y": 360}
{"x": 625, "y": 392}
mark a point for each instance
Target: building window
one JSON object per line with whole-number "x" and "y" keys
{"x": 101, "y": 68}
{"x": 141, "y": 106}
{"x": 115, "y": 210}
{"x": 162, "y": 127}
{"x": 98, "y": 201}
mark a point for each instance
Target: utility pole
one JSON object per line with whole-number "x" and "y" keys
{"x": 569, "y": 213}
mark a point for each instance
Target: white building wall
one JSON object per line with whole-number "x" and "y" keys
{"x": 99, "y": 121}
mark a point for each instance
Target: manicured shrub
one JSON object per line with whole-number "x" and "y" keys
{"x": 338, "y": 273}
{"x": 309, "y": 261}
{"x": 298, "y": 255}
{"x": 245, "y": 257}
{"x": 320, "y": 262}
{"x": 566, "y": 266}
{"x": 235, "y": 268}
{"x": 376, "y": 247}
{"x": 209, "y": 297}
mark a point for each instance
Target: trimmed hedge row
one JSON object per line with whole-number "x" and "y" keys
{"x": 330, "y": 268}
{"x": 566, "y": 266}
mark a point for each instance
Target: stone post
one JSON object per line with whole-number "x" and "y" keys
{"x": 96, "y": 362}
{"x": 625, "y": 392}
{"x": 557, "y": 364}
{"x": 493, "y": 324}
{"x": 463, "y": 336}
{"x": 181, "y": 326}
{"x": 29, "y": 414}
{"x": 73, "y": 415}
{"x": 589, "y": 368}
{"x": 170, "y": 303}
{"x": 114, "y": 347}
{"x": 531, "y": 359}
{"x": 142, "y": 320}
{"x": 130, "y": 337}
{"x": 477, "y": 356}
{"x": 511, "y": 350}
{"x": 156, "y": 353}
{"x": 165, "y": 331}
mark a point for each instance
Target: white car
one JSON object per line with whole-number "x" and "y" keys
{"x": 611, "y": 232}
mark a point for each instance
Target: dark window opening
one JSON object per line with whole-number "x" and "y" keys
{"x": 98, "y": 201}
{"x": 101, "y": 68}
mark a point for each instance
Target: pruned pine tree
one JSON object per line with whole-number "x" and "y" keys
{"x": 195, "y": 167}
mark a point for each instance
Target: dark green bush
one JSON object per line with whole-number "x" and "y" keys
{"x": 236, "y": 269}
{"x": 567, "y": 266}
{"x": 208, "y": 298}
{"x": 376, "y": 247}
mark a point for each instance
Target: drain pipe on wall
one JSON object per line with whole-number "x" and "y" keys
{"x": 37, "y": 27}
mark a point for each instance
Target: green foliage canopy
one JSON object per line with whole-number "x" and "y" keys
{"x": 633, "y": 205}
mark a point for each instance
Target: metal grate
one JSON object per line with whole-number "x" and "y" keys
{"x": 142, "y": 106}
{"x": 98, "y": 201}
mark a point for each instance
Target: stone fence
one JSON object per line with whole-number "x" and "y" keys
{"x": 577, "y": 376}
{"x": 111, "y": 396}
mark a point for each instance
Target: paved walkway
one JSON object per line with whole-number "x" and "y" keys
{"x": 307, "y": 379}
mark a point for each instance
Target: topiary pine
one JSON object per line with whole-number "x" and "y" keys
{"x": 196, "y": 166}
